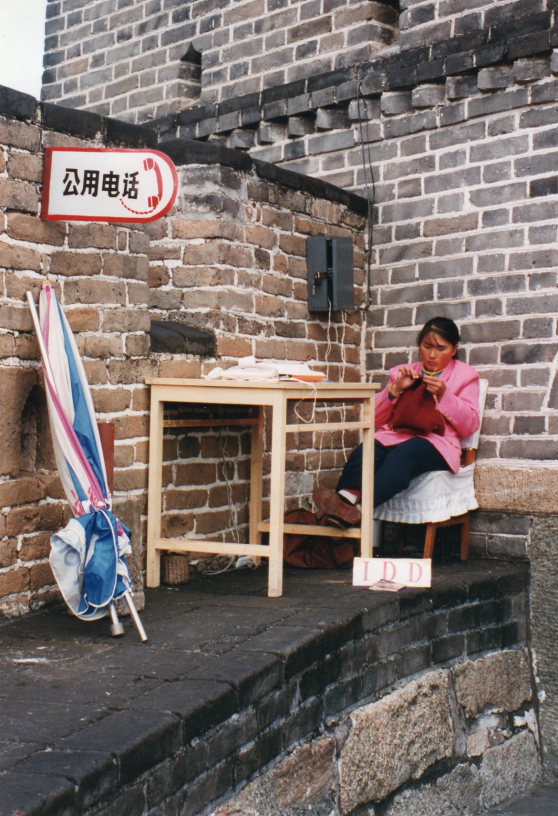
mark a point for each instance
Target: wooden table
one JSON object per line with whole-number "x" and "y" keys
{"x": 277, "y": 396}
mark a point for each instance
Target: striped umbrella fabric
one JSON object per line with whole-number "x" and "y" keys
{"x": 88, "y": 557}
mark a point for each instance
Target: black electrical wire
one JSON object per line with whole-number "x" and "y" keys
{"x": 370, "y": 191}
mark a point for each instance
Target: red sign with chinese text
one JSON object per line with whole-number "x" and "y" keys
{"x": 107, "y": 184}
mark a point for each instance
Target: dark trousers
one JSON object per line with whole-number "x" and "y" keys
{"x": 394, "y": 467}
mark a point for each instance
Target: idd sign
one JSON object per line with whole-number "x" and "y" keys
{"x": 411, "y": 572}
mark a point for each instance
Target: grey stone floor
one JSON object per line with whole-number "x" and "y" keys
{"x": 65, "y": 682}
{"x": 543, "y": 801}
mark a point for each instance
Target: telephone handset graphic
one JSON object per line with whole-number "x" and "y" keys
{"x": 150, "y": 164}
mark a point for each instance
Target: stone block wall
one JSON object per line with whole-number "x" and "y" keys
{"x": 150, "y": 58}
{"x": 459, "y": 717}
{"x": 229, "y": 259}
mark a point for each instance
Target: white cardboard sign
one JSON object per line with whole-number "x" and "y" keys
{"x": 107, "y": 184}
{"x": 411, "y": 572}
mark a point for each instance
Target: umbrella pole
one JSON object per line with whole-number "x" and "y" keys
{"x": 39, "y": 334}
{"x": 135, "y": 616}
{"x": 116, "y": 627}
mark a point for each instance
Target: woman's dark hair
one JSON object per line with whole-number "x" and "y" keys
{"x": 443, "y": 326}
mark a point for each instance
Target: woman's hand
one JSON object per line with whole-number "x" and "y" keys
{"x": 406, "y": 376}
{"x": 435, "y": 385}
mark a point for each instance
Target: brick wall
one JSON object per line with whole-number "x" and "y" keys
{"x": 436, "y": 21}
{"x": 230, "y": 260}
{"x": 452, "y": 133}
{"x": 148, "y": 58}
{"x": 100, "y": 272}
{"x": 455, "y": 142}
{"x": 234, "y": 259}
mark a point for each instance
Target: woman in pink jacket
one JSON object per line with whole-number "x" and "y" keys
{"x": 401, "y": 455}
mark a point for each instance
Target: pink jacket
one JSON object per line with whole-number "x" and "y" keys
{"x": 459, "y": 405}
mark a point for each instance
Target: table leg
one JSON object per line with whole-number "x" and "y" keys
{"x": 154, "y": 491}
{"x": 367, "y": 529}
{"x": 277, "y": 496}
{"x": 256, "y": 480}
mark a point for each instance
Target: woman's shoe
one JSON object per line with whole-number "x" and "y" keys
{"x": 332, "y": 509}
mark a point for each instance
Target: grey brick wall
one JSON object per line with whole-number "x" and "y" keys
{"x": 453, "y": 133}
{"x": 462, "y": 172}
{"x": 148, "y": 58}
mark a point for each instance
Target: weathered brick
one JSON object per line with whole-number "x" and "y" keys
{"x": 22, "y": 490}
{"x": 33, "y": 518}
{"x": 533, "y": 259}
{"x": 95, "y": 290}
{"x": 26, "y": 167}
{"x": 527, "y": 449}
{"x": 8, "y": 552}
{"x": 28, "y": 228}
{"x": 128, "y": 371}
{"x": 15, "y": 256}
{"x": 40, "y": 575}
{"x": 528, "y": 70}
{"x": 131, "y": 479}
{"x": 22, "y": 135}
{"x": 74, "y": 264}
{"x": 429, "y": 270}
{"x": 539, "y": 304}
{"x": 494, "y": 332}
{"x": 83, "y": 319}
{"x": 495, "y": 218}
{"x": 427, "y": 96}
{"x": 14, "y": 581}
{"x": 495, "y": 103}
{"x": 19, "y": 195}
{"x": 490, "y": 79}
{"x": 445, "y": 181}
{"x": 126, "y": 266}
{"x": 543, "y": 187}
{"x": 331, "y": 118}
{"x": 494, "y": 239}
{"x": 528, "y": 353}
{"x": 443, "y": 226}
{"x": 100, "y": 236}
{"x": 7, "y": 345}
{"x": 137, "y": 345}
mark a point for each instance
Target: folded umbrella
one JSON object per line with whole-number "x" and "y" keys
{"x": 88, "y": 557}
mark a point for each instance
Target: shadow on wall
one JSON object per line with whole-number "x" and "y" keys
{"x": 174, "y": 337}
{"x": 25, "y": 441}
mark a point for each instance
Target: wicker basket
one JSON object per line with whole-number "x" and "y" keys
{"x": 175, "y": 568}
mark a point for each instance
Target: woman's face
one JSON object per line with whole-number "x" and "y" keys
{"x": 435, "y": 352}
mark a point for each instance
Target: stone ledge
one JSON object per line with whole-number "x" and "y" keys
{"x": 80, "y": 123}
{"x": 190, "y": 151}
{"x": 517, "y": 486}
{"x": 229, "y": 681}
{"x": 395, "y": 69}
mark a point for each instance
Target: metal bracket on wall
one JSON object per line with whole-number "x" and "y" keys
{"x": 330, "y": 273}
